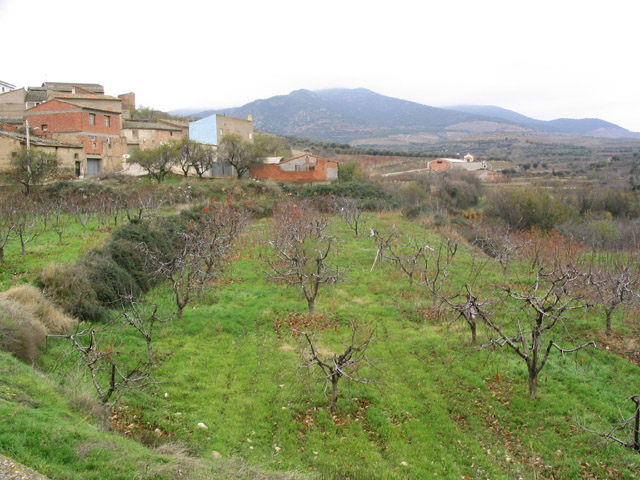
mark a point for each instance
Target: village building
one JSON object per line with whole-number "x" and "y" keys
{"x": 69, "y": 153}
{"x": 147, "y": 135}
{"x": 13, "y": 106}
{"x": 6, "y": 87}
{"x": 467, "y": 163}
{"x": 211, "y": 129}
{"x": 305, "y": 168}
{"x": 92, "y": 119}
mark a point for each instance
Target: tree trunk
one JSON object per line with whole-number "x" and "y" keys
{"x": 473, "y": 326}
{"x": 311, "y": 304}
{"x": 1, "y": 254}
{"x": 533, "y": 382}
{"x": 334, "y": 392}
{"x": 608, "y": 312}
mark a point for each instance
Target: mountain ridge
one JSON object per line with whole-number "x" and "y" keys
{"x": 348, "y": 115}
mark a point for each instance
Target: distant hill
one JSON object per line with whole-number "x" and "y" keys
{"x": 347, "y": 115}
{"x": 584, "y": 126}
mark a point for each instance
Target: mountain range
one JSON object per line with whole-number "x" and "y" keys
{"x": 361, "y": 116}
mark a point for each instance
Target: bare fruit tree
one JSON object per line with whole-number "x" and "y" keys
{"x": 438, "y": 266}
{"x": 141, "y": 203}
{"x": 299, "y": 250}
{"x": 220, "y": 226}
{"x": 143, "y": 318}
{"x": 183, "y": 268}
{"x": 542, "y": 306}
{"x": 8, "y": 205}
{"x": 27, "y": 223}
{"x": 335, "y": 367}
{"x": 351, "y": 213}
{"x": 614, "y": 283}
{"x": 469, "y": 309}
{"x": 502, "y": 243}
{"x": 112, "y": 371}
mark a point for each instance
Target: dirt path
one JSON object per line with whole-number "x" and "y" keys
{"x": 10, "y": 470}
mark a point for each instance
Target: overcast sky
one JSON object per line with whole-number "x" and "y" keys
{"x": 545, "y": 59}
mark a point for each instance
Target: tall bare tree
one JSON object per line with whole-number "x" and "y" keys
{"x": 183, "y": 268}
{"x": 9, "y": 203}
{"x": 299, "y": 250}
{"x": 614, "y": 282}
{"x": 542, "y": 306}
{"x": 335, "y": 367}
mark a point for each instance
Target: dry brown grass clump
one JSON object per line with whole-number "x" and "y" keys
{"x": 33, "y": 301}
{"x": 21, "y": 333}
{"x": 26, "y": 316}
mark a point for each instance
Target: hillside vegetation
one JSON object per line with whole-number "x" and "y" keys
{"x": 232, "y": 394}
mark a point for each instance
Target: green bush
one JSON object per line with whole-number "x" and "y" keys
{"x": 526, "y": 208}
{"x": 109, "y": 281}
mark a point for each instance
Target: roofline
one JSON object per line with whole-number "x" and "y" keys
{"x": 308, "y": 155}
{"x": 114, "y": 112}
{"x": 35, "y": 140}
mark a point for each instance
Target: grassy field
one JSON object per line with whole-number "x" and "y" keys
{"x": 439, "y": 408}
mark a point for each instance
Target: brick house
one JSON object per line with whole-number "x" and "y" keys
{"x": 94, "y": 122}
{"x": 305, "y": 168}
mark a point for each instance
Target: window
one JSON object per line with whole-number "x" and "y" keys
{"x": 134, "y": 133}
{"x": 93, "y": 139}
{"x": 75, "y": 155}
{"x": 107, "y": 121}
{"x": 171, "y": 134}
{"x": 44, "y": 127}
{"x": 108, "y": 140}
{"x": 92, "y": 119}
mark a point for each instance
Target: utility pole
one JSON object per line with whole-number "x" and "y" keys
{"x": 26, "y": 128}
{"x": 26, "y": 125}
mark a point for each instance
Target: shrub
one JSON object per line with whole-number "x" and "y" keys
{"x": 370, "y": 193}
{"x": 109, "y": 281}
{"x": 20, "y": 332}
{"x": 71, "y": 288}
{"x": 34, "y": 302}
{"x": 526, "y": 208}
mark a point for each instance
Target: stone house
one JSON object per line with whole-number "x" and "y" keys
{"x": 70, "y": 153}
{"x": 146, "y": 135}
{"x": 305, "y": 168}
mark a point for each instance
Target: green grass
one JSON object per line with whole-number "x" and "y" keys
{"x": 440, "y": 408}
